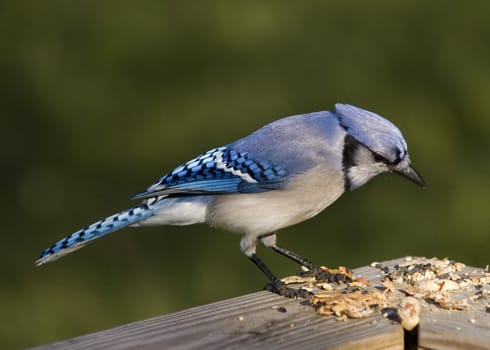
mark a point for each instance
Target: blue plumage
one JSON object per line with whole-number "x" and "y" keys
{"x": 373, "y": 131}
{"x": 220, "y": 170}
{"x": 98, "y": 229}
{"x": 282, "y": 174}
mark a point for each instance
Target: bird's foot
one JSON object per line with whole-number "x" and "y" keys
{"x": 282, "y": 289}
{"x": 326, "y": 275}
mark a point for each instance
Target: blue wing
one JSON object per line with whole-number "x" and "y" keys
{"x": 220, "y": 170}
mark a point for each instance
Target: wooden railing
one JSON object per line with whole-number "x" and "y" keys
{"x": 264, "y": 320}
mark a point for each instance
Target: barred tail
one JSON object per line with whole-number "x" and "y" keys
{"x": 98, "y": 229}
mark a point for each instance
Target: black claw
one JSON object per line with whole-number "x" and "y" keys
{"x": 282, "y": 289}
{"x": 325, "y": 276}
{"x": 332, "y": 277}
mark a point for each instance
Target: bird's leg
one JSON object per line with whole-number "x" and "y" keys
{"x": 313, "y": 269}
{"x": 248, "y": 246}
{"x": 277, "y": 286}
{"x": 295, "y": 257}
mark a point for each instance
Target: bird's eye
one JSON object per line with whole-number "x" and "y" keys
{"x": 379, "y": 158}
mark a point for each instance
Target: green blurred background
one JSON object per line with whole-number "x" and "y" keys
{"x": 99, "y": 99}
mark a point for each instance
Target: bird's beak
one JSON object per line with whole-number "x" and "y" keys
{"x": 410, "y": 173}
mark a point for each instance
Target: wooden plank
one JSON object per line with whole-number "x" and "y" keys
{"x": 451, "y": 329}
{"x": 455, "y": 330}
{"x": 265, "y": 320}
{"x": 254, "y": 321}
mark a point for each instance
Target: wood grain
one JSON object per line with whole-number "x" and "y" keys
{"x": 265, "y": 320}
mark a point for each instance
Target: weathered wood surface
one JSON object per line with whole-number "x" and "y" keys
{"x": 455, "y": 330}
{"x": 452, "y": 329}
{"x": 265, "y": 320}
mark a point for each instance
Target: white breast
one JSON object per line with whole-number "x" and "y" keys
{"x": 260, "y": 213}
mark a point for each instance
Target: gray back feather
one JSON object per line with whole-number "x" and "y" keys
{"x": 298, "y": 142}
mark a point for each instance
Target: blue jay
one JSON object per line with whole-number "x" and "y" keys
{"x": 282, "y": 174}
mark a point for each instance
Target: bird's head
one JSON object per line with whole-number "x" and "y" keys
{"x": 372, "y": 145}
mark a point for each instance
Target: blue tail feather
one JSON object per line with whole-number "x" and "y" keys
{"x": 98, "y": 229}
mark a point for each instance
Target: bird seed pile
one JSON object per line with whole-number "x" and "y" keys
{"x": 400, "y": 291}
